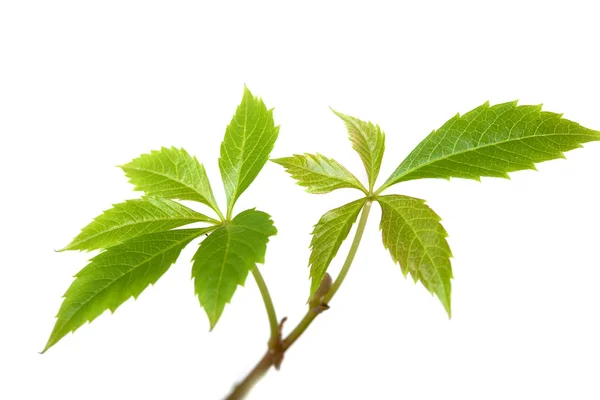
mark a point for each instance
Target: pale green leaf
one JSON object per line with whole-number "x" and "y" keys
{"x": 115, "y": 275}
{"x": 171, "y": 174}
{"x": 492, "y": 141}
{"x": 328, "y": 235}
{"x": 249, "y": 139}
{"x": 318, "y": 173}
{"x": 224, "y": 259}
{"x": 369, "y": 142}
{"x": 415, "y": 238}
{"x": 134, "y": 218}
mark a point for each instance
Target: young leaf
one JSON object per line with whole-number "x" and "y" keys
{"x": 171, "y": 174}
{"x": 319, "y": 173}
{"x": 328, "y": 235}
{"x": 134, "y": 218}
{"x": 117, "y": 274}
{"x": 249, "y": 139}
{"x": 492, "y": 141}
{"x": 224, "y": 258}
{"x": 369, "y": 142}
{"x": 415, "y": 238}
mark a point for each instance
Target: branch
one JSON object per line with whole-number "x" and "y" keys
{"x": 318, "y": 304}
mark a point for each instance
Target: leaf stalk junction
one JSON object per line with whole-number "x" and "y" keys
{"x": 317, "y": 304}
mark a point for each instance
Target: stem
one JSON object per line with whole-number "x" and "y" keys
{"x": 264, "y": 292}
{"x": 243, "y": 388}
{"x": 274, "y": 355}
{"x": 300, "y": 328}
{"x": 360, "y": 229}
{"x": 313, "y": 312}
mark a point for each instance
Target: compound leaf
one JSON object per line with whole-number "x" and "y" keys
{"x": 492, "y": 141}
{"x": 117, "y": 274}
{"x": 369, "y": 142}
{"x": 171, "y": 174}
{"x": 224, "y": 259}
{"x": 134, "y": 218}
{"x": 318, "y": 173}
{"x": 249, "y": 139}
{"x": 415, "y": 238}
{"x": 328, "y": 235}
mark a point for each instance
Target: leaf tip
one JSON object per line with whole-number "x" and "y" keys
{"x": 342, "y": 116}
{"x": 446, "y": 300}
{"x": 279, "y": 161}
{"x": 48, "y": 345}
{"x": 212, "y": 321}
{"x": 249, "y": 96}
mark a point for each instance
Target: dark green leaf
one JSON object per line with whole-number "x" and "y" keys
{"x": 134, "y": 218}
{"x": 224, "y": 259}
{"x": 171, "y": 174}
{"x": 248, "y": 141}
{"x": 492, "y": 141}
{"x": 117, "y": 274}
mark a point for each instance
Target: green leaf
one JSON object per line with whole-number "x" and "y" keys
{"x": 369, "y": 142}
{"x": 171, "y": 174}
{"x": 328, "y": 235}
{"x": 224, "y": 258}
{"x": 249, "y": 139}
{"x": 134, "y": 218}
{"x": 492, "y": 141}
{"x": 319, "y": 173}
{"x": 415, "y": 238}
{"x": 117, "y": 274}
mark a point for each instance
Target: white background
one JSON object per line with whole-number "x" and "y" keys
{"x": 85, "y": 86}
